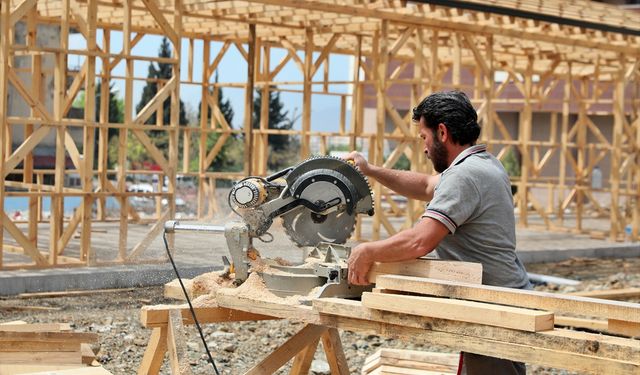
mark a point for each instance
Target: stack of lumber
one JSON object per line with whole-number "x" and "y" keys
{"x": 409, "y": 362}
{"x": 32, "y": 348}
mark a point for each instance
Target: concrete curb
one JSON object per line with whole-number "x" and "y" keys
{"x": 543, "y": 256}
{"x": 55, "y": 280}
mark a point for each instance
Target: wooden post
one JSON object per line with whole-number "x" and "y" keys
{"x": 525, "y": 137}
{"x": 306, "y": 94}
{"x": 617, "y": 220}
{"x": 5, "y": 16}
{"x": 355, "y": 95}
{"x": 57, "y": 206}
{"x": 248, "y": 102}
{"x": 381, "y": 65}
{"x": 204, "y": 111}
{"x": 36, "y": 92}
{"x": 103, "y": 133}
{"x": 562, "y": 178}
{"x": 262, "y": 143}
{"x": 581, "y": 141}
{"x": 123, "y": 134}
{"x": 89, "y": 136}
{"x": 175, "y": 110}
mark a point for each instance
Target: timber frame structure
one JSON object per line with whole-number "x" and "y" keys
{"x": 567, "y": 58}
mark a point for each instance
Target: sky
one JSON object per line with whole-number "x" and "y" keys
{"x": 325, "y": 109}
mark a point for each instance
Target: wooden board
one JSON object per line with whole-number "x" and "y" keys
{"x": 413, "y": 359}
{"x": 36, "y": 327}
{"x": 15, "y": 369}
{"x": 623, "y": 327}
{"x": 556, "y": 303}
{"x": 559, "y": 340}
{"x": 77, "y": 337}
{"x": 54, "y": 358}
{"x": 610, "y": 293}
{"x": 74, "y": 371}
{"x": 158, "y": 316}
{"x": 173, "y": 290}
{"x": 398, "y": 370}
{"x": 460, "y": 310}
{"x": 436, "y": 269}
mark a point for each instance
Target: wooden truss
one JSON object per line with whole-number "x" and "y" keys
{"x": 402, "y": 51}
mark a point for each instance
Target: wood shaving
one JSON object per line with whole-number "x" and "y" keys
{"x": 206, "y": 300}
{"x": 209, "y": 283}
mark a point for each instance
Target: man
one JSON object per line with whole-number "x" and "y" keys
{"x": 470, "y": 212}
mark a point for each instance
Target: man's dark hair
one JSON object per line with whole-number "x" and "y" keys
{"x": 454, "y": 110}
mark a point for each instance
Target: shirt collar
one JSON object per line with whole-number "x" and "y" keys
{"x": 475, "y": 149}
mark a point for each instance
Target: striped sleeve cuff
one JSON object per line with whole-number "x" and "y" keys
{"x": 441, "y": 217}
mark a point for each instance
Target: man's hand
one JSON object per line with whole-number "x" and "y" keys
{"x": 359, "y": 161}
{"x": 359, "y": 264}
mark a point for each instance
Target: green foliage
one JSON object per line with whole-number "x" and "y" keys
{"x": 403, "y": 163}
{"x": 163, "y": 72}
{"x": 283, "y": 148}
{"x": 511, "y": 163}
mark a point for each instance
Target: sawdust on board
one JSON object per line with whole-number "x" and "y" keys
{"x": 209, "y": 283}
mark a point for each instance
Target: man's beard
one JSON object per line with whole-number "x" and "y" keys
{"x": 439, "y": 156}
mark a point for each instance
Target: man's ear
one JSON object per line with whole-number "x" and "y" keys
{"x": 442, "y": 133}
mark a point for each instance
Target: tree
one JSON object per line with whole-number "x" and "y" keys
{"x": 116, "y": 108}
{"x": 283, "y": 147}
{"x": 163, "y": 72}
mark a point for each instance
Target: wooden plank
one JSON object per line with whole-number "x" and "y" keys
{"x": 335, "y": 354}
{"x": 571, "y": 350}
{"x": 466, "y": 311}
{"x": 72, "y": 293}
{"x": 286, "y": 351}
{"x": 437, "y": 269}
{"x": 29, "y": 248}
{"x": 39, "y": 346}
{"x": 76, "y": 337}
{"x": 302, "y": 361}
{"x": 419, "y": 360}
{"x": 558, "y": 303}
{"x": 151, "y": 235}
{"x": 396, "y": 370}
{"x": 173, "y": 290}
{"x": 177, "y": 345}
{"x": 158, "y": 15}
{"x": 75, "y": 371}
{"x": 54, "y": 358}
{"x": 11, "y": 369}
{"x": 21, "y": 10}
{"x": 158, "y": 316}
{"x": 154, "y": 353}
{"x": 35, "y": 327}
{"x": 623, "y": 327}
{"x": 610, "y": 293}
{"x": 593, "y": 324}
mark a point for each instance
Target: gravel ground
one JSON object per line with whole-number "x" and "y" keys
{"x": 237, "y": 346}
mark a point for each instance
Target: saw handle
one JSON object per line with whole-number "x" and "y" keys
{"x": 172, "y": 226}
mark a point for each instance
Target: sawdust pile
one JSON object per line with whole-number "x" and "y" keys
{"x": 254, "y": 288}
{"x": 209, "y": 283}
{"x": 205, "y": 300}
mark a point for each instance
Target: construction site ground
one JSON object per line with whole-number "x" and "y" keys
{"x": 238, "y": 346}
{"x": 600, "y": 264}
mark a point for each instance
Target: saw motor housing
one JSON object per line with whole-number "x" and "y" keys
{"x": 318, "y": 201}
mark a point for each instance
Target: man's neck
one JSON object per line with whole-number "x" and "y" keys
{"x": 455, "y": 150}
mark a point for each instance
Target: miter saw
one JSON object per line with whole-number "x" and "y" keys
{"x": 318, "y": 201}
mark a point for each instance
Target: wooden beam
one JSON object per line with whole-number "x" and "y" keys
{"x": 467, "y": 272}
{"x": 157, "y": 316}
{"x": 21, "y": 10}
{"x": 335, "y": 354}
{"x": 177, "y": 345}
{"x": 154, "y": 353}
{"x": 169, "y": 31}
{"x": 286, "y": 351}
{"x": 466, "y": 311}
{"x": 558, "y": 348}
{"x": 29, "y": 248}
{"x": 557, "y": 303}
{"x": 624, "y": 293}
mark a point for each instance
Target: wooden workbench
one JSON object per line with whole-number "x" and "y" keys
{"x": 559, "y": 348}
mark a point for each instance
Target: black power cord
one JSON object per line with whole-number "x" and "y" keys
{"x": 193, "y": 313}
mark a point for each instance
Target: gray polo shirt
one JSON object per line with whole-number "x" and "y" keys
{"x": 473, "y": 200}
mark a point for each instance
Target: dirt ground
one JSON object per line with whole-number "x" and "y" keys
{"x": 238, "y": 346}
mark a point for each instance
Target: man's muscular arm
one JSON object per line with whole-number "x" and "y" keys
{"x": 410, "y": 184}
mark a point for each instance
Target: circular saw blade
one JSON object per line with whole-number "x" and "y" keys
{"x": 306, "y": 228}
